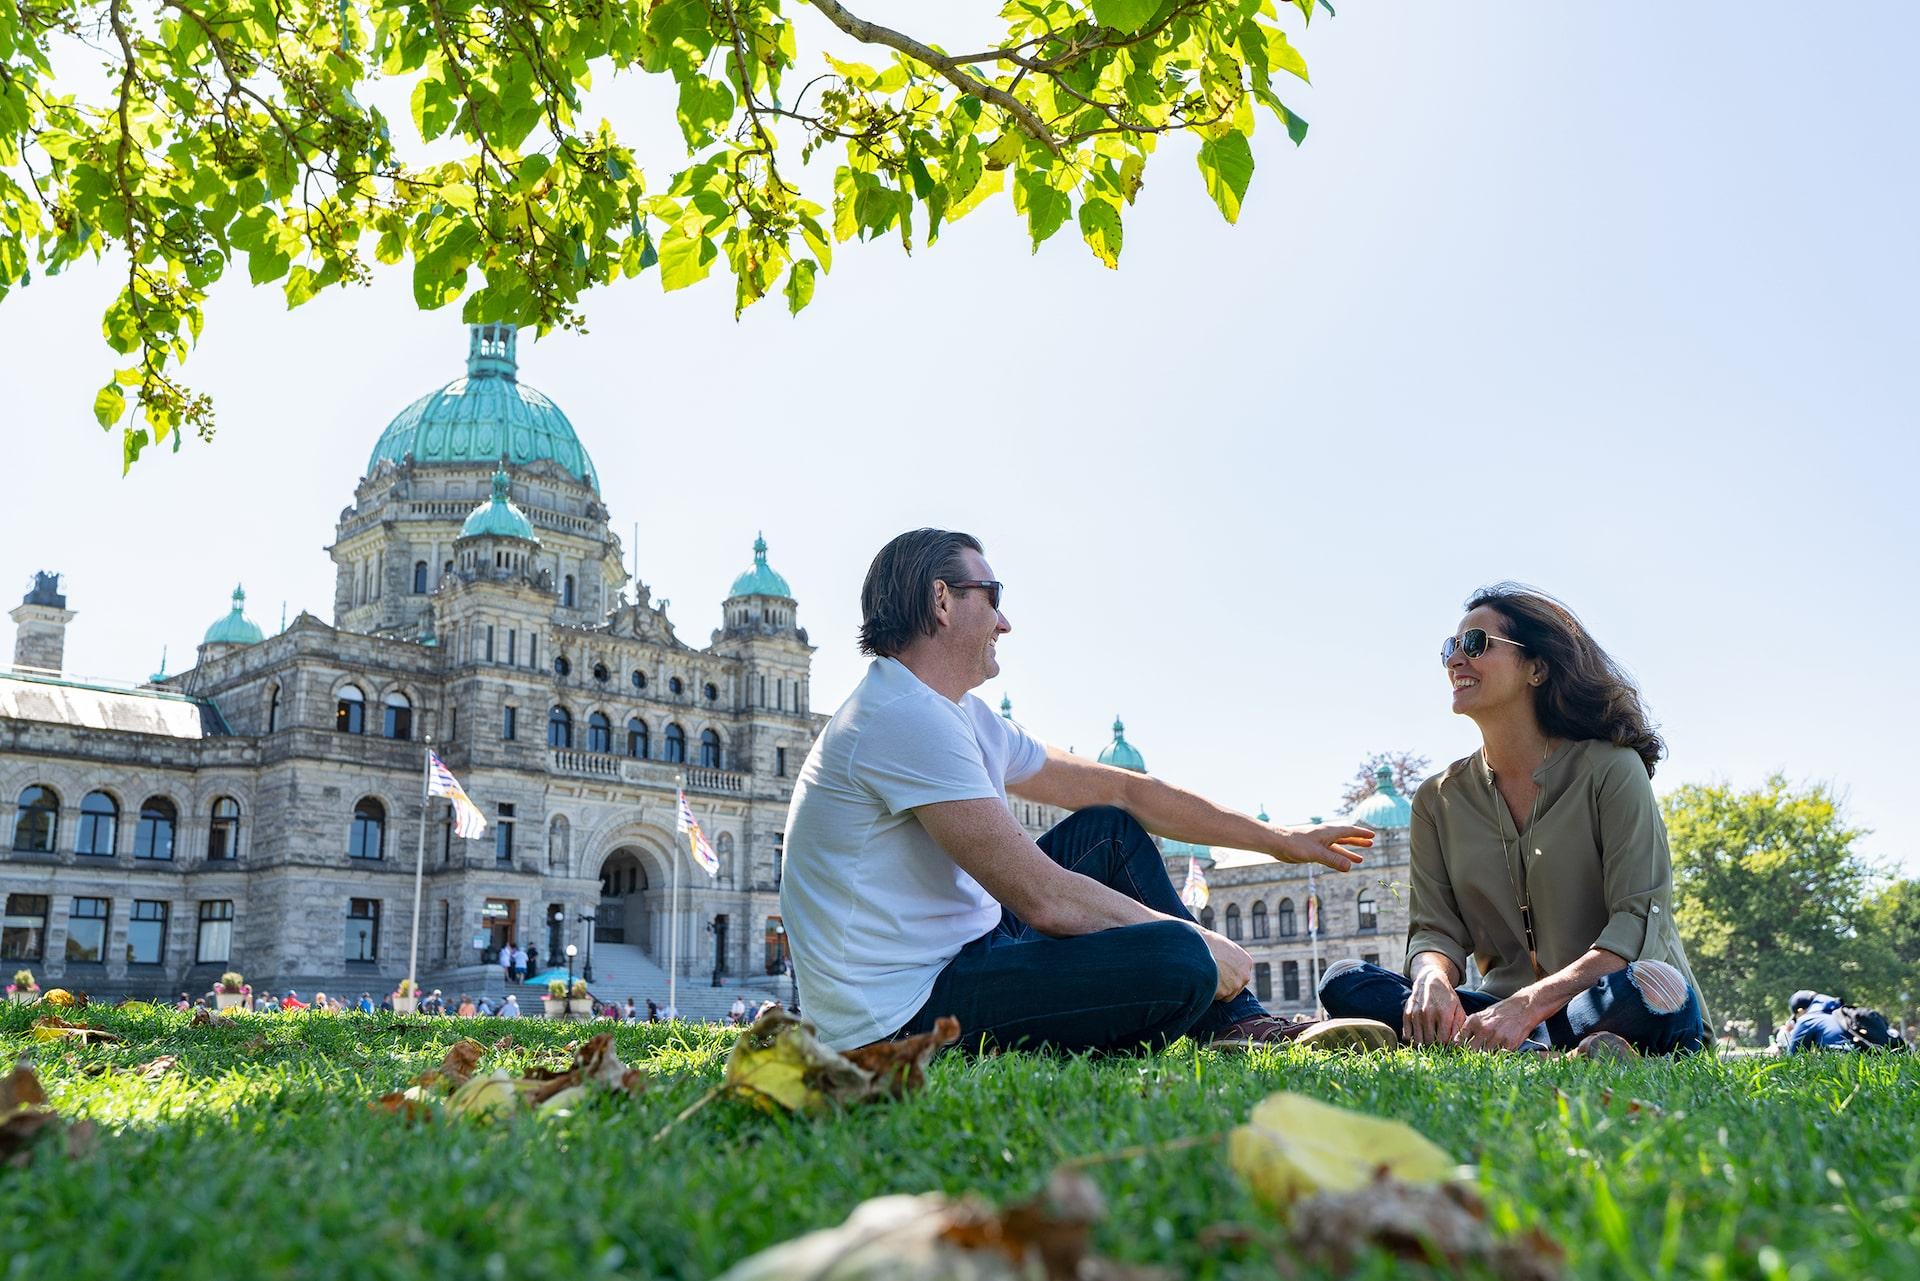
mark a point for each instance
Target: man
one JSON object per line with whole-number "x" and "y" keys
{"x": 910, "y": 892}
{"x": 519, "y": 965}
{"x": 506, "y": 962}
{"x": 738, "y": 1011}
{"x": 510, "y": 1008}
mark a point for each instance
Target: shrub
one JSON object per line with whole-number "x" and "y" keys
{"x": 23, "y": 981}
{"x": 579, "y": 988}
{"x": 557, "y": 989}
{"x": 407, "y": 988}
{"x": 231, "y": 981}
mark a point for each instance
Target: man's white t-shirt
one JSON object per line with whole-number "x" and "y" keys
{"x": 874, "y": 909}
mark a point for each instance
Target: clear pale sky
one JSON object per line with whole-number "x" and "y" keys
{"x": 1616, "y": 300}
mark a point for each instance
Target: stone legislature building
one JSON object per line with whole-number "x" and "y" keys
{"x": 261, "y": 811}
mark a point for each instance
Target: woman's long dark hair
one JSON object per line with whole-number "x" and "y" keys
{"x": 1585, "y": 695}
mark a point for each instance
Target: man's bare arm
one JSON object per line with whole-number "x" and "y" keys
{"x": 1072, "y": 783}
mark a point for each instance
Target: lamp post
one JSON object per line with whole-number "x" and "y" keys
{"x": 719, "y": 941}
{"x": 586, "y": 918}
{"x": 572, "y": 951}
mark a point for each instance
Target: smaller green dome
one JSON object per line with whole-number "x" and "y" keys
{"x": 1120, "y": 752}
{"x": 760, "y": 580}
{"x": 236, "y": 628}
{"x": 1386, "y": 807}
{"x": 1006, "y": 707}
{"x": 1170, "y": 848}
{"x": 498, "y": 517}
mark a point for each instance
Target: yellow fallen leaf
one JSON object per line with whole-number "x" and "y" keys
{"x": 485, "y": 1097}
{"x": 779, "y": 1061}
{"x": 1293, "y": 1146}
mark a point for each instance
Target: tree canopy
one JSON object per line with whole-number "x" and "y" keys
{"x": 249, "y": 132}
{"x": 1771, "y": 896}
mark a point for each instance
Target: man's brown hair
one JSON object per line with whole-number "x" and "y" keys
{"x": 896, "y": 602}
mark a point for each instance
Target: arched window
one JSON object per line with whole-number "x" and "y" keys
{"x": 1288, "y": 926}
{"x": 1369, "y": 912}
{"x": 153, "y": 838}
{"x": 1206, "y": 918}
{"x": 99, "y": 825}
{"x": 1233, "y": 920}
{"x": 223, "y": 837}
{"x": 368, "y": 839}
{"x": 561, "y": 666}
{"x": 639, "y": 679}
{"x": 350, "y": 710}
{"x": 397, "y": 716}
{"x": 559, "y": 728}
{"x": 599, "y": 733}
{"x": 637, "y": 738}
{"x": 600, "y": 673}
{"x": 419, "y": 578}
{"x": 1259, "y": 921}
{"x": 709, "y": 749}
{"x": 676, "y": 744}
{"x": 566, "y": 592}
{"x": 273, "y": 708}
{"x": 37, "y": 820}
{"x": 674, "y": 686}
{"x": 711, "y": 691}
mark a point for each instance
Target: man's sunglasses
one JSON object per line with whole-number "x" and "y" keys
{"x": 1472, "y": 643}
{"x": 993, "y": 589}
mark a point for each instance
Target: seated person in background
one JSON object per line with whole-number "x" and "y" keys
{"x": 1817, "y": 1021}
{"x": 1543, "y": 855}
{"x": 910, "y": 892}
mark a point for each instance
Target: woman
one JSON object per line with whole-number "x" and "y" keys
{"x": 1542, "y": 856}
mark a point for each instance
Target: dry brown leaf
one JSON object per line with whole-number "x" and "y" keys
{"x": 202, "y": 1017}
{"x": 900, "y": 1066}
{"x": 24, "y": 1111}
{"x": 506, "y": 1043}
{"x": 405, "y": 1105}
{"x": 780, "y": 1061}
{"x": 595, "y": 1063}
{"x": 461, "y": 1059}
{"x": 254, "y": 1044}
{"x": 936, "y": 1238}
{"x": 1444, "y": 1224}
{"x": 154, "y": 1069}
{"x": 51, "y": 1027}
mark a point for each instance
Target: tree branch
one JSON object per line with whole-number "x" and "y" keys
{"x": 956, "y": 74}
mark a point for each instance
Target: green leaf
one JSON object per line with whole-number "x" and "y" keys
{"x": 1100, "y": 224}
{"x": 1283, "y": 56}
{"x": 705, "y": 105}
{"x": 685, "y": 258}
{"x": 1046, "y": 208}
{"x": 301, "y": 285}
{"x": 1124, "y": 16}
{"x": 800, "y": 285}
{"x": 1226, "y": 163}
{"x": 108, "y": 405}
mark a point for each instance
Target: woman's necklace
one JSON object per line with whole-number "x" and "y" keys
{"x": 1517, "y": 854}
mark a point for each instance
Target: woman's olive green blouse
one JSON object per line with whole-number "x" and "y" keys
{"x": 1595, "y": 864}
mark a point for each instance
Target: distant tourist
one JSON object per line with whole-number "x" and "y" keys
{"x": 506, "y": 962}
{"x": 1816, "y": 1021}
{"x": 183, "y": 1003}
{"x": 366, "y": 1003}
{"x": 292, "y": 1001}
{"x": 466, "y": 1007}
{"x": 631, "y": 1015}
{"x": 653, "y": 1011}
{"x": 519, "y": 966}
{"x": 911, "y": 892}
{"x": 738, "y": 1011}
{"x": 509, "y": 1008}
{"x": 669, "y": 1013}
{"x": 1542, "y": 855}
{"x": 533, "y": 961}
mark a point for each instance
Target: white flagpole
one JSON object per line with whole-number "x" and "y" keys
{"x": 1313, "y": 935}
{"x": 420, "y": 862}
{"x": 673, "y": 928}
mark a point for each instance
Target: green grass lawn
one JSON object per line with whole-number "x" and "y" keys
{"x": 269, "y": 1163}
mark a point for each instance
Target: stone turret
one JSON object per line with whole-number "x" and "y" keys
{"x": 41, "y": 618}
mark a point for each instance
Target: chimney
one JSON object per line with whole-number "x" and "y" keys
{"x": 41, "y": 617}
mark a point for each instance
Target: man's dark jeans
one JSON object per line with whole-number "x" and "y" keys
{"x": 1614, "y": 1004}
{"x": 1131, "y": 987}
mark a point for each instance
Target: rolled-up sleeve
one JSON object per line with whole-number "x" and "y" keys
{"x": 1434, "y": 923}
{"x": 1636, "y": 869}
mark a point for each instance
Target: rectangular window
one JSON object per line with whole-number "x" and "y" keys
{"x": 533, "y": 649}
{"x": 503, "y": 834}
{"x": 147, "y": 932}
{"x": 23, "y": 933}
{"x": 489, "y": 646}
{"x": 446, "y": 927}
{"x": 509, "y": 722}
{"x": 363, "y": 929}
{"x": 513, "y": 638}
{"x": 216, "y": 931}
{"x": 779, "y": 857}
{"x": 446, "y": 840}
{"x": 780, "y": 761}
{"x": 1263, "y": 980}
{"x": 1371, "y": 958}
{"x": 1290, "y": 980}
{"x": 87, "y": 929}
{"x": 453, "y": 723}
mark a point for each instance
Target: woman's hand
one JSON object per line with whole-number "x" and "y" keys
{"x": 1333, "y": 845}
{"x": 1504, "y": 1025}
{"x": 1434, "y": 1015}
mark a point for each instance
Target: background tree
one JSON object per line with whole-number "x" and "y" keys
{"x": 1409, "y": 770}
{"x": 1892, "y": 921}
{"x": 1771, "y": 896}
{"x": 230, "y": 130}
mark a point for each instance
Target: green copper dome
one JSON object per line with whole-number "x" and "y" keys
{"x": 760, "y": 580}
{"x": 486, "y": 416}
{"x": 498, "y": 517}
{"x": 1120, "y": 752}
{"x": 236, "y": 628}
{"x": 1386, "y": 807}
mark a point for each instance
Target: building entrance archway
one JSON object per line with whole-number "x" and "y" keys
{"x": 622, "y": 914}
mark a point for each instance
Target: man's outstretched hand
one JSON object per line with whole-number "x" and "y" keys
{"x": 1334, "y": 845}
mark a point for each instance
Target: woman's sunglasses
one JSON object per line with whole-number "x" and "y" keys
{"x": 1472, "y": 643}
